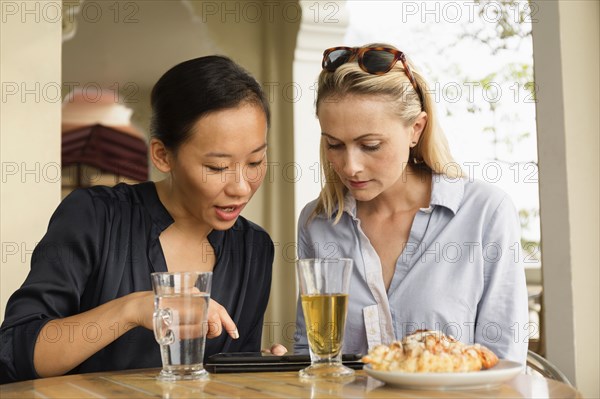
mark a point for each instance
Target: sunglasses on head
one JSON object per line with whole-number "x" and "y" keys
{"x": 373, "y": 60}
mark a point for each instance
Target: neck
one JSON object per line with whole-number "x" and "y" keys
{"x": 411, "y": 192}
{"x": 184, "y": 220}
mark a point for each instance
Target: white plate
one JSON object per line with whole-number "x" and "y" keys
{"x": 504, "y": 371}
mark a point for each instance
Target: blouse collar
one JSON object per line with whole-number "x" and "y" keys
{"x": 163, "y": 219}
{"x": 445, "y": 191}
{"x": 159, "y": 214}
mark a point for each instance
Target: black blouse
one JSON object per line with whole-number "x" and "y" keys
{"x": 102, "y": 243}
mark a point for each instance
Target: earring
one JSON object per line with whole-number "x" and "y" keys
{"x": 414, "y": 143}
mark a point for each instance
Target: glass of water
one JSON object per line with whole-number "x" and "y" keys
{"x": 180, "y": 322}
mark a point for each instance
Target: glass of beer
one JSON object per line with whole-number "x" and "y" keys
{"x": 181, "y": 322}
{"x": 324, "y": 287}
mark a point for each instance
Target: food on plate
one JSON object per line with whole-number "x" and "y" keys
{"x": 426, "y": 351}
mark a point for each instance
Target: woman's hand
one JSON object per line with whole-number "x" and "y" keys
{"x": 142, "y": 307}
{"x": 218, "y": 318}
{"x": 276, "y": 349}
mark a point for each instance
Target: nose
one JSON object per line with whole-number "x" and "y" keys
{"x": 237, "y": 184}
{"x": 352, "y": 163}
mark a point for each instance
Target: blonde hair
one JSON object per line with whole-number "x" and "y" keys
{"x": 431, "y": 152}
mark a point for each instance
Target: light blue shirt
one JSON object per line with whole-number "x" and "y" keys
{"x": 461, "y": 272}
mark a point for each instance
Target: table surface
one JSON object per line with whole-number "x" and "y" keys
{"x": 143, "y": 383}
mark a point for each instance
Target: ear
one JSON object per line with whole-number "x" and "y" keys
{"x": 161, "y": 156}
{"x": 418, "y": 127}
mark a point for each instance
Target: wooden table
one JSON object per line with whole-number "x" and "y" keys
{"x": 142, "y": 384}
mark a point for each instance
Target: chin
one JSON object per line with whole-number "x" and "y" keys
{"x": 363, "y": 196}
{"x": 223, "y": 225}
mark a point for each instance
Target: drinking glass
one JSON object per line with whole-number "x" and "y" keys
{"x": 324, "y": 287}
{"x": 180, "y": 322}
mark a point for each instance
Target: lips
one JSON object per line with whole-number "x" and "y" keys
{"x": 228, "y": 213}
{"x": 358, "y": 183}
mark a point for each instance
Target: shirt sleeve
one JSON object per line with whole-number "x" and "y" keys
{"x": 502, "y": 313}
{"x": 253, "y": 339}
{"x": 305, "y": 250}
{"x": 60, "y": 267}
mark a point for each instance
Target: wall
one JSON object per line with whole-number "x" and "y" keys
{"x": 580, "y": 48}
{"x": 566, "y": 64}
{"x": 29, "y": 133}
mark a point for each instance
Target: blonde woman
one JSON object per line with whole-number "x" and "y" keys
{"x": 432, "y": 249}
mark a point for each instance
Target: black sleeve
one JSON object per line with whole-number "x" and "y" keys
{"x": 60, "y": 267}
{"x": 253, "y": 340}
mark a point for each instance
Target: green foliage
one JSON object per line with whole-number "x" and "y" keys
{"x": 510, "y": 27}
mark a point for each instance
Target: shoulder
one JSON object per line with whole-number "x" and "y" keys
{"x": 99, "y": 202}
{"x": 120, "y": 193}
{"x": 491, "y": 205}
{"x": 485, "y": 196}
{"x": 306, "y": 212}
{"x": 482, "y": 188}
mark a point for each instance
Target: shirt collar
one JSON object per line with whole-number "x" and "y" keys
{"x": 349, "y": 204}
{"x": 445, "y": 191}
{"x": 163, "y": 219}
{"x": 149, "y": 197}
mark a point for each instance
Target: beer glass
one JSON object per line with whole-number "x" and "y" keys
{"x": 324, "y": 287}
{"x": 180, "y": 322}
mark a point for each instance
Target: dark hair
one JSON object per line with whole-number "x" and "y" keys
{"x": 194, "y": 88}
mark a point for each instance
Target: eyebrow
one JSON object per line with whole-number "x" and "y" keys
{"x": 223, "y": 155}
{"x": 356, "y": 139}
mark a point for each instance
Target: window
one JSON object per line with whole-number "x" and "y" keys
{"x": 478, "y": 59}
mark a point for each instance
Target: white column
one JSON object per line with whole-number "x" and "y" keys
{"x": 30, "y": 43}
{"x": 568, "y": 130}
